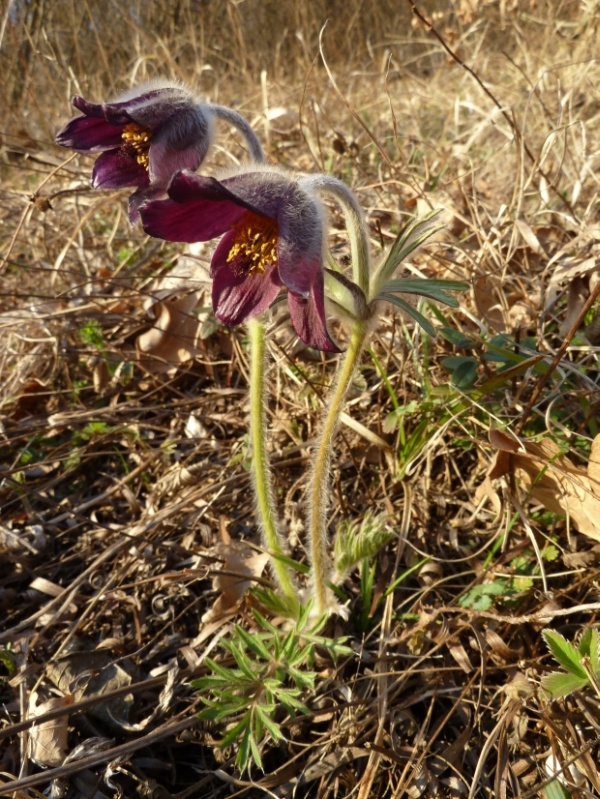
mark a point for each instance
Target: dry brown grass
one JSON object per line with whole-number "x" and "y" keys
{"x": 116, "y": 484}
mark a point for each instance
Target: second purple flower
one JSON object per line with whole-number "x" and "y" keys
{"x": 143, "y": 138}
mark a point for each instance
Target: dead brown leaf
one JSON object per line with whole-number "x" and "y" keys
{"x": 173, "y": 337}
{"x": 48, "y": 740}
{"x": 177, "y": 329}
{"x": 552, "y": 479}
{"x": 241, "y": 564}
{"x": 565, "y": 271}
{"x": 94, "y": 673}
{"x": 504, "y": 310}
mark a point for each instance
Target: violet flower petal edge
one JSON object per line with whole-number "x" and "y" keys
{"x": 309, "y": 319}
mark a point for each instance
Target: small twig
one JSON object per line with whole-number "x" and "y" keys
{"x": 356, "y": 116}
{"x": 499, "y": 106}
{"x": 542, "y": 616}
{"x": 105, "y": 756}
{"x": 28, "y": 208}
{"x": 84, "y": 704}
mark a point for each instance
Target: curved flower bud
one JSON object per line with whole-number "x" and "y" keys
{"x": 143, "y": 138}
{"x": 272, "y": 237}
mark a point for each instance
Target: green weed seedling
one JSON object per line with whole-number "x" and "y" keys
{"x": 91, "y": 335}
{"x": 499, "y": 358}
{"x": 581, "y": 663}
{"x": 525, "y": 570}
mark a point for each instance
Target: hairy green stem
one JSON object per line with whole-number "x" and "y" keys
{"x": 261, "y": 474}
{"x": 355, "y": 224}
{"x": 244, "y": 127}
{"x": 320, "y": 479}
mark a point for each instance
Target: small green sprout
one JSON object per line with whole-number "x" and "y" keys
{"x": 581, "y": 663}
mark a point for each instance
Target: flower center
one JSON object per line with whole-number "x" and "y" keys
{"x": 136, "y": 142}
{"x": 255, "y": 245}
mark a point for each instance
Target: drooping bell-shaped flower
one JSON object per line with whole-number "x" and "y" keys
{"x": 143, "y": 138}
{"x": 272, "y": 230}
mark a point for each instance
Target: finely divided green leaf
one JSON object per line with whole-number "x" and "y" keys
{"x": 234, "y": 733}
{"x": 242, "y": 660}
{"x": 425, "y": 287}
{"x": 243, "y": 754}
{"x": 254, "y": 643}
{"x": 225, "y": 707}
{"x": 254, "y": 749}
{"x": 411, "y": 237}
{"x": 271, "y": 727}
{"x": 226, "y": 674}
{"x": 264, "y": 622}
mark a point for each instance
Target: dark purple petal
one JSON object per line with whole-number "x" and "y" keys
{"x": 115, "y": 170}
{"x": 152, "y": 108}
{"x": 90, "y": 134}
{"x": 114, "y": 115}
{"x": 238, "y": 297}
{"x": 141, "y": 196}
{"x": 309, "y": 320}
{"x": 195, "y": 220}
{"x": 187, "y": 186}
{"x": 87, "y": 108}
{"x": 200, "y": 209}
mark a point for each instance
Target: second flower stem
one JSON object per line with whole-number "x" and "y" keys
{"x": 261, "y": 472}
{"x": 320, "y": 479}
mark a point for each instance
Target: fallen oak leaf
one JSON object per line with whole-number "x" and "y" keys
{"x": 551, "y": 478}
{"x": 95, "y": 673}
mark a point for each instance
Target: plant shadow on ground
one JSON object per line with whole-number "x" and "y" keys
{"x": 125, "y": 493}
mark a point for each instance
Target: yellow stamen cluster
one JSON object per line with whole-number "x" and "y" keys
{"x": 138, "y": 139}
{"x": 255, "y": 246}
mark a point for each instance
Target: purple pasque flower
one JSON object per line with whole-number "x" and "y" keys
{"x": 143, "y": 138}
{"x": 272, "y": 237}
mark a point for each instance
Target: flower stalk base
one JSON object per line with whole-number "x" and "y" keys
{"x": 319, "y": 489}
{"x": 261, "y": 474}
